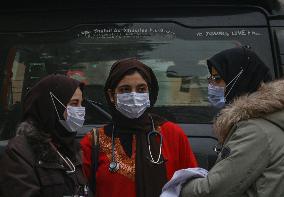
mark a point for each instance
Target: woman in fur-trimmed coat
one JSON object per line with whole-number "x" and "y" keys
{"x": 251, "y": 160}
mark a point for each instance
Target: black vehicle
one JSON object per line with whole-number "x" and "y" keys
{"x": 83, "y": 39}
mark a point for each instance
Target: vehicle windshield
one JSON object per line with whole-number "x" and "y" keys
{"x": 176, "y": 53}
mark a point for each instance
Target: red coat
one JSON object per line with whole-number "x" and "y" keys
{"x": 176, "y": 150}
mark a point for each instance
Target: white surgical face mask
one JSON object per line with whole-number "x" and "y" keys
{"x": 75, "y": 116}
{"x": 132, "y": 105}
{"x": 216, "y": 95}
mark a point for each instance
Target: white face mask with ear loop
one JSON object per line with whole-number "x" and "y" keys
{"x": 132, "y": 105}
{"x": 75, "y": 116}
{"x": 216, "y": 94}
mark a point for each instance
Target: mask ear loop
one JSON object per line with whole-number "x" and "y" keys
{"x": 241, "y": 71}
{"x": 53, "y": 96}
{"x": 234, "y": 80}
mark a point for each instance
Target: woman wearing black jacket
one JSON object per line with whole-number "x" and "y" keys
{"x": 43, "y": 159}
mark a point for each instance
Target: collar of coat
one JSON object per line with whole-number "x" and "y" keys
{"x": 39, "y": 143}
{"x": 267, "y": 100}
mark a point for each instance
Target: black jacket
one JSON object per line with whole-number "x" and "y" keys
{"x": 29, "y": 170}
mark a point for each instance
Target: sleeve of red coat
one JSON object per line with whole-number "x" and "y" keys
{"x": 187, "y": 158}
{"x": 86, "y": 148}
{"x": 184, "y": 151}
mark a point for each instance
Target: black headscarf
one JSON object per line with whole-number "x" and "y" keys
{"x": 229, "y": 63}
{"x": 38, "y": 108}
{"x": 150, "y": 178}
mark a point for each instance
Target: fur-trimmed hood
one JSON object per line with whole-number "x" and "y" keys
{"x": 267, "y": 100}
{"x": 38, "y": 141}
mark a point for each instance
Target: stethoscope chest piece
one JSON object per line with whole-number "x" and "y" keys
{"x": 113, "y": 166}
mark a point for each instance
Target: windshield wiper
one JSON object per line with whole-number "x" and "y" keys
{"x": 98, "y": 108}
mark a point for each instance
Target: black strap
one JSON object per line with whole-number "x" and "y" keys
{"x": 94, "y": 159}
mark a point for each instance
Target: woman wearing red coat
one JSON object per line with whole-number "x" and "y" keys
{"x": 140, "y": 151}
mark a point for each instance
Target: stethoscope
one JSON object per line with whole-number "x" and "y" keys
{"x": 66, "y": 160}
{"x": 154, "y": 133}
{"x": 72, "y": 169}
{"x": 114, "y": 165}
